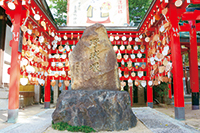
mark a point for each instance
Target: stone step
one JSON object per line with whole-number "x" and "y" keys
{"x": 3, "y": 104}
{"x": 4, "y": 93}
{"x": 4, "y": 98}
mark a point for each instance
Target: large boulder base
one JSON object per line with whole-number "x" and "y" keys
{"x": 93, "y": 62}
{"x": 103, "y": 110}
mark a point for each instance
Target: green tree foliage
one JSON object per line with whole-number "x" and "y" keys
{"x": 191, "y": 6}
{"x": 194, "y": 5}
{"x": 186, "y": 58}
{"x": 59, "y": 11}
{"x": 161, "y": 89}
{"x": 138, "y": 8}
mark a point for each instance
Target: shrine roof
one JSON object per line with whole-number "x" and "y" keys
{"x": 42, "y": 4}
{"x": 185, "y": 37}
{"x": 45, "y": 6}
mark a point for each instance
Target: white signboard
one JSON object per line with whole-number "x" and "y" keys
{"x": 88, "y": 12}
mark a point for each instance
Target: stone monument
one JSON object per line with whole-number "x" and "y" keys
{"x": 93, "y": 62}
{"x": 95, "y": 99}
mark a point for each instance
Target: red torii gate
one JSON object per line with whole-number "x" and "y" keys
{"x": 192, "y": 27}
{"x": 175, "y": 12}
{"x": 20, "y": 13}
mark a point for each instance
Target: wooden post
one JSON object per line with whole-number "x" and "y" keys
{"x": 66, "y": 87}
{"x": 186, "y": 79}
{"x": 190, "y": 73}
{"x": 176, "y": 63}
{"x": 149, "y": 96}
{"x": 47, "y": 93}
{"x": 170, "y": 91}
{"x": 149, "y": 89}
{"x": 55, "y": 92}
{"x": 131, "y": 95}
{"x": 194, "y": 76}
{"x": 2, "y": 42}
{"x": 13, "y": 101}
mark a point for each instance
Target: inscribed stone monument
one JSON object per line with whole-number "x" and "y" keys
{"x": 93, "y": 62}
{"x": 95, "y": 100}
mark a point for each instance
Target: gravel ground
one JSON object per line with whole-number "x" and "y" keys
{"x": 140, "y": 128}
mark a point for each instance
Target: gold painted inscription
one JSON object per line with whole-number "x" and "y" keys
{"x": 77, "y": 68}
{"x": 94, "y": 56}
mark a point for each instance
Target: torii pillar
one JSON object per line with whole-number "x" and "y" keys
{"x": 194, "y": 76}
{"x": 47, "y": 95}
{"x": 176, "y": 63}
{"x": 47, "y": 89}
{"x": 149, "y": 96}
{"x": 3, "y": 20}
{"x": 13, "y": 99}
{"x": 149, "y": 91}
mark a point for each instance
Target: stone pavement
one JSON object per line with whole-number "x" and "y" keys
{"x": 158, "y": 122}
{"x": 192, "y": 117}
{"x": 36, "y": 119}
{"x": 34, "y": 124}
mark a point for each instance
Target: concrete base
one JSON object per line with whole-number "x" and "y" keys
{"x": 195, "y": 107}
{"x": 12, "y": 115}
{"x": 179, "y": 113}
{"x": 150, "y": 104}
{"x": 195, "y": 100}
{"x": 46, "y": 105}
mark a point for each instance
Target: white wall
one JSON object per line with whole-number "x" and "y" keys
{"x": 7, "y": 55}
{"x": 6, "y": 77}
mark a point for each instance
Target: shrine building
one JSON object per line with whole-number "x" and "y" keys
{"x": 34, "y": 51}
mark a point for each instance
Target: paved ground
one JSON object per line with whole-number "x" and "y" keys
{"x": 34, "y": 124}
{"x": 38, "y": 120}
{"x": 31, "y": 119}
{"x": 158, "y": 122}
{"x": 140, "y": 128}
{"x": 192, "y": 117}
{"x": 23, "y": 114}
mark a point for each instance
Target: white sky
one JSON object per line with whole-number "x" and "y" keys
{"x": 52, "y": 10}
{"x": 48, "y": 2}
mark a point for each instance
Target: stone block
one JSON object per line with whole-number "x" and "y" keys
{"x": 103, "y": 110}
{"x": 3, "y": 104}
{"x": 4, "y": 94}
